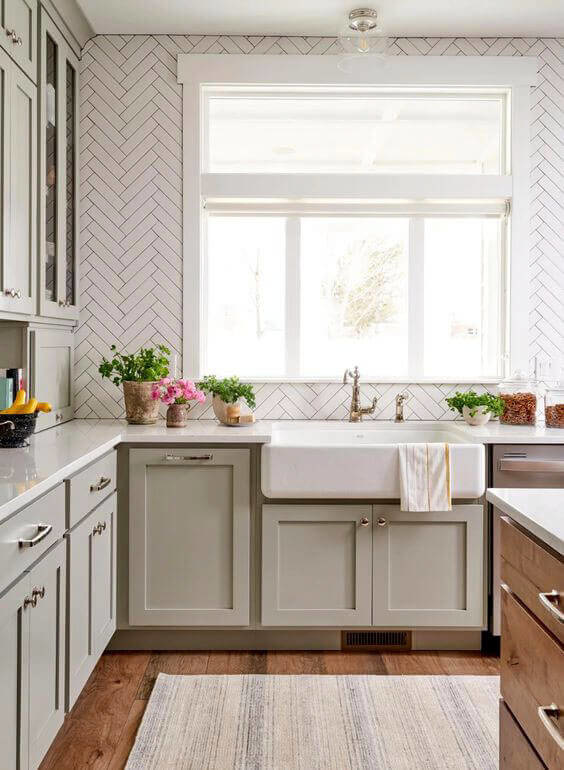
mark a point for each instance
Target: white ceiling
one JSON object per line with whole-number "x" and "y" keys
{"x": 406, "y": 18}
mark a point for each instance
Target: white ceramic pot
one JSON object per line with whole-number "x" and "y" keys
{"x": 481, "y": 416}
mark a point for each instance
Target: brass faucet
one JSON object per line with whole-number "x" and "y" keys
{"x": 356, "y": 411}
{"x": 400, "y": 398}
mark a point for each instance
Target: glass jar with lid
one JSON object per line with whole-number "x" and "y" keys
{"x": 554, "y": 406}
{"x": 520, "y": 396}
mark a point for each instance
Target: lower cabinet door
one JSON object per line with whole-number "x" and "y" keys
{"x": 189, "y": 532}
{"x": 91, "y": 600}
{"x": 46, "y": 652}
{"x": 14, "y": 676}
{"x": 428, "y": 568}
{"x": 316, "y": 565}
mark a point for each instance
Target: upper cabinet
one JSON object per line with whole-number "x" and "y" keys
{"x": 58, "y": 167}
{"x": 18, "y": 33}
{"x": 18, "y": 188}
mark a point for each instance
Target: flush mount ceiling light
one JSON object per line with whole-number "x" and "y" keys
{"x": 362, "y": 35}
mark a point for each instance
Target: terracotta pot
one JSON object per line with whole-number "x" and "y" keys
{"x": 176, "y": 415}
{"x": 140, "y": 407}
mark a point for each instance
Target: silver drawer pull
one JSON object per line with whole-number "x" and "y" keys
{"x": 42, "y": 531}
{"x": 172, "y": 458}
{"x": 550, "y": 601}
{"x": 99, "y": 528}
{"x": 364, "y": 521}
{"x": 102, "y": 484}
{"x": 531, "y": 466}
{"x": 546, "y": 716}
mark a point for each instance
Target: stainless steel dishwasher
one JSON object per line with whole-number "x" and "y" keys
{"x": 530, "y": 466}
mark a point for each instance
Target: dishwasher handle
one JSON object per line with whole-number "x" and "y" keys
{"x": 529, "y": 465}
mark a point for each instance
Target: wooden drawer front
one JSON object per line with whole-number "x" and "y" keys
{"x": 89, "y": 487}
{"x": 515, "y": 751}
{"x": 533, "y": 574}
{"x": 40, "y": 524}
{"x": 532, "y": 663}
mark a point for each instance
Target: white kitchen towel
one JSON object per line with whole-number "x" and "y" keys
{"x": 425, "y": 477}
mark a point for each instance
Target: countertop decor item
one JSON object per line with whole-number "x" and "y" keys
{"x": 177, "y": 394}
{"x": 476, "y": 409}
{"x": 138, "y": 373}
{"x": 519, "y": 395}
{"x": 227, "y": 395}
{"x": 23, "y": 425}
{"x": 554, "y": 406}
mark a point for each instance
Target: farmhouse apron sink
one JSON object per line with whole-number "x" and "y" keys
{"x": 359, "y": 461}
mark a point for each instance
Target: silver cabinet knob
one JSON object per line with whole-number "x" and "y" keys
{"x": 19, "y": 293}
{"x": 381, "y": 522}
{"x": 364, "y": 522}
{"x": 38, "y": 593}
{"x": 30, "y": 601}
{"x": 99, "y": 528}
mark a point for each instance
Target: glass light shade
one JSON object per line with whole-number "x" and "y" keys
{"x": 368, "y": 42}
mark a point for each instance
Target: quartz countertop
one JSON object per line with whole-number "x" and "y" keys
{"x": 57, "y": 453}
{"x": 539, "y": 511}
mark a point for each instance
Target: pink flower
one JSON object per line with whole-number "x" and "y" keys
{"x": 168, "y": 400}
{"x": 165, "y": 381}
{"x": 155, "y": 395}
{"x": 200, "y": 396}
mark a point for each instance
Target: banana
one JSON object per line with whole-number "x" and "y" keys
{"x": 19, "y": 402}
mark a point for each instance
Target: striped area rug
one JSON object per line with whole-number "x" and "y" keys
{"x": 265, "y": 722}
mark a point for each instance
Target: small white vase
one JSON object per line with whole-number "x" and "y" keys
{"x": 481, "y": 416}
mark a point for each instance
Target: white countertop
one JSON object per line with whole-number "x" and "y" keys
{"x": 539, "y": 511}
{"x": 57, "y": 453}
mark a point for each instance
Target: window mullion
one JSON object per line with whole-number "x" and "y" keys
{"x": 293, "y": 298}
{"x": 416, "y": 297}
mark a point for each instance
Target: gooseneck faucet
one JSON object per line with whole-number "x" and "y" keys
{"x": 356, "y": 411}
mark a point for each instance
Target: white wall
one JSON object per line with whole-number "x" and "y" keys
{"x": 131, "y": 275}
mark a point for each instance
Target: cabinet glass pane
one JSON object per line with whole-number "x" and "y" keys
{"x": 70, "y": 185}
{"x": 51, "y": 171}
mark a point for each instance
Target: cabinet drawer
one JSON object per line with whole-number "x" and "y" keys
{"x": 531, "y": 678}
{"x": 534, "y": 575}
{"x": 89, "y": 487}
{"x": 515, "y": 751}
{"x": 29, "y": 533}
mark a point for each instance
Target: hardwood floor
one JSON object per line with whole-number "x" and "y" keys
{"x": 100, "y": 730}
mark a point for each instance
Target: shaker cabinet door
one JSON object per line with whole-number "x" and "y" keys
{"x": 46, "y": 652}
{"x": 91, "y": 594}
{"x": 428, "y": 568}
{"x": 189, "y": 529}
{"x": 316, "y": 565}
{"x": 51, "y": 357}
{"x": 18, "y": 33}
{"x": 14, "y": 676}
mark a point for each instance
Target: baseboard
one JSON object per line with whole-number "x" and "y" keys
{"x": 163, "y": 639}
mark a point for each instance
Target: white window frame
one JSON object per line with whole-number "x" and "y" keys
{"x": 514, "y": 75}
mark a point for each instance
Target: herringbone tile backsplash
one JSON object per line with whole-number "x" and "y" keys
{"x": 131, "y": 224}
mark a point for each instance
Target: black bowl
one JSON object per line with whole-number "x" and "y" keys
{"x": 24, "y": 425}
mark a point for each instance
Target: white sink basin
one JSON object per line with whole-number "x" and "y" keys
{"x": 344, "y": 460}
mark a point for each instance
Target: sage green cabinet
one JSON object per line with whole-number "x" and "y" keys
{"x": 316, "y": 565}
{"x": 91, "y": 567}
{"x": 18, "y": 33}
{"x": 32, "y": 664}
{"x": 18, "y": 189}
{"x": 58, "y": 173}
{"x": 428, "y": 568}
{"x": 189, "y": 537}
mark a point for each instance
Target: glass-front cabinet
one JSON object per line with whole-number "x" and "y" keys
{"x": 58, "y": 175}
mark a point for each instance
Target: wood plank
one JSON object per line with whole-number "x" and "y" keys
{"x": 236, "y": 662}
{"x": 354, "y": 663}
{"x": 127, "y": 738}
{"x": 295, "y": 662}
{"x": 92, "y": 730}
{"x": 171, "y": 663}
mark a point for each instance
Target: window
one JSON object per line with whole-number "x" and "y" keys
{"x": 352, "y": 223}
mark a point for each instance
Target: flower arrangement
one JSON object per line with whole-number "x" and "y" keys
{"x": 171, "y": 391}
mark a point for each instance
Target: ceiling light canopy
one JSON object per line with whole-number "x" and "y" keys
{"x": 362, "y": 34}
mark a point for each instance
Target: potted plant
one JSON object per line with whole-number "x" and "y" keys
{"x": 227, "y": 394}
{"x": 137, "y": 372}
{"x": 476, "y": 408}
{"x": 176, "y": 394}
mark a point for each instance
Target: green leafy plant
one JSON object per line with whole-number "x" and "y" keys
{"x": 473, "y": 400}
{"x": 229, "y": 390}
{"x": 148, "y": 365}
